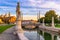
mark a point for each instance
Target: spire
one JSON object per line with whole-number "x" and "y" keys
{"x": 39, "y": 14}
{"x": 9, "y": 14}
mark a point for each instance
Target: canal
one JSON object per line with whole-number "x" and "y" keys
{"x": 40, "y": 35}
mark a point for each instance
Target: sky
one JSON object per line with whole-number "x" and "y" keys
{"x": 30, "y": 8}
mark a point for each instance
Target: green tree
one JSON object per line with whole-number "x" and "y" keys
{"x": 48, "y": 16}
{"x": 41, "y": 19}
{"x": 59, "y": 19}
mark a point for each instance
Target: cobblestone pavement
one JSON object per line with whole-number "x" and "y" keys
{"x": 8, "y": 35}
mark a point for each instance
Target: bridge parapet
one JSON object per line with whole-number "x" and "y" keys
{"x": 50, "y": 30}
{"x": 35, "y": 24}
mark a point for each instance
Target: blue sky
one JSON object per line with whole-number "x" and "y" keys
{"x": 30, "y": 7}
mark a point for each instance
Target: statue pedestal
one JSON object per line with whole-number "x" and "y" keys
{"x": 22, "y": 36}
{"x": 20, "y": 31}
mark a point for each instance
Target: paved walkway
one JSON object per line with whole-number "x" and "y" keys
{"x": 8, "y": 35}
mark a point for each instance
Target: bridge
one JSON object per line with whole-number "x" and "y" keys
{"x": 35, "y": 24}
{"x": 44, "y": 28}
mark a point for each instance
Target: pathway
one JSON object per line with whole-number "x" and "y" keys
{"x": 8, "y": 35}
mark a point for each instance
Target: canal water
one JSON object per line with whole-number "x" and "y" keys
{"x": 48, "y": 35}
{"x": 38, "y": 35}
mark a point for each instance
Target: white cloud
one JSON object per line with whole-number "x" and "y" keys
{"x": 6, "y": 9}
{"x": 46, "y": 4}
{"x": 33, "y": 3}
{"x": 50, "y": 5}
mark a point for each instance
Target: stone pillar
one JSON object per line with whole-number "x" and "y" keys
{"x": 53, "y": 22}
{"x": 38, "y": 36}
{"x": 18, "y": 19}
{"x": 52, "y": 36}
{"x": 18, "y": 26}
{"x": 42, "y": 33}
{"x": 39, "y": 16}
{"x": 58, "y": 37}
{"x": 43, "y": 23}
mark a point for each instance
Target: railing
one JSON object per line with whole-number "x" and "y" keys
{"x": 50, "y": 29}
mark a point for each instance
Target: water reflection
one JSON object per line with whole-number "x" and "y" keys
{"x": 58, "y": 38}
{"x": 49, "y": 36}
{"x": 33, "y": 35}
{"x": 40, "y": 35}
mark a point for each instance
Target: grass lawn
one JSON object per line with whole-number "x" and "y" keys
{"x": 4, "y": 27}
{"x": 57, "y": 25}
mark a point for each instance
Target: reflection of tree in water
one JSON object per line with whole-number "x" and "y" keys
{"x": 47, "y": 36}
{"x": 55, "y": 37}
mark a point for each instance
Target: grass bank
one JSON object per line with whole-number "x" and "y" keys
{"x": 4, "y": 27}
{"x": 57, "y": 25}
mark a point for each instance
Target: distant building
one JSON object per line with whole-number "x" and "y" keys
{"x": 12, "y": 19}
{"x": 7, "y": 18}
{"x": 7, "y": 15}
{"x": 1, "y": 21}
{"x": 28, "y": 21}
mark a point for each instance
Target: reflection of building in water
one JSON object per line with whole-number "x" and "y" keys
{"x": 58, "y": 37}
